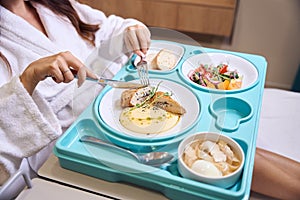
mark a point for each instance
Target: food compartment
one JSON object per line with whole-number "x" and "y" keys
{"x": 69, "y": 144}
{"x": 162, "y": 57}
{"x": 212, "y": 158}
{"x": 108, "y": 111}
{"x": 80, "y": 127}
{"x": 110, "y": 165}
{"x": 219, "y": 72}
{"x": 230, "y": 112}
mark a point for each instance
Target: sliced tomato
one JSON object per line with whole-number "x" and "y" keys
{"x": 223, "y": 69}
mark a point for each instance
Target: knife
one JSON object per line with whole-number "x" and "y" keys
{"x": 115, "y": 83}
{"x": 111, "y": 82}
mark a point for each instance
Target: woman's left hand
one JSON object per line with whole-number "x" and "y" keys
{"x": 137, "y": 39}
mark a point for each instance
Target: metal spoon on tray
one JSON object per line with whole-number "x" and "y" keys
{"x": 153, "y": 158}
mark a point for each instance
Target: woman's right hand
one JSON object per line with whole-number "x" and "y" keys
{"x": 137, "y": 39}
{"x": 56, "y": 66}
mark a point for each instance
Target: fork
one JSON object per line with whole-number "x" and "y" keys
{"x": 142, "y": 69}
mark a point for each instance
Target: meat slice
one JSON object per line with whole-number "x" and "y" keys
{"x": 133, "y": 97}
{"x": 126, "y": 97}
{"x": 167, "y": 103}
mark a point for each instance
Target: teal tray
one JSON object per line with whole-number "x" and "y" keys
{"x": 111, "y": 165}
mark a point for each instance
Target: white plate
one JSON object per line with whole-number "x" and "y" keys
{"x": 155, "y": 47}
{"x": 110, "y": 110}
{"x": 243, "y": 67}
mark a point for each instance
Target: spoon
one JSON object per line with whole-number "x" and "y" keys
{"x": 152, "y": 158}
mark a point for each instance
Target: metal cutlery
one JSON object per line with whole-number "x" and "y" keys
{"x": 142, "y": 69}
{"x": 153, "y": 158}
{"x": 111, "y": 82}
{"x": 115, "y": 83}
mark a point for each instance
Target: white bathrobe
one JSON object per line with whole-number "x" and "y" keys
{"x": 29, "y": 123}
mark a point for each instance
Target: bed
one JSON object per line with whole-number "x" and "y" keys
{"x": 279, "y": 126}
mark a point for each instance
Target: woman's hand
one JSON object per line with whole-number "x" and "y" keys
{"x": 58, "y": 67}
{"x": 137, "y": 39}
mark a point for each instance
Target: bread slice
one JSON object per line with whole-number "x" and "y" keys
{"x": 150, "y": 58}
{"x": 165, "y": 60}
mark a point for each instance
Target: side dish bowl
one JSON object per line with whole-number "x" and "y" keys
{"x": 224, "y": 181}
{"x": 219, "y": 72}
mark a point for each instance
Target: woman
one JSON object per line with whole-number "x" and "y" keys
{"x": 42, "y": 38}
{"x": 41, "y": 41}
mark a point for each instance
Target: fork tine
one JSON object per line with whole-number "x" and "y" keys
{"x": 139, "y": 73}
{"x": 142, "y": 74}
{"x": 145, "y": 75}
{"x": 142, "y": 69}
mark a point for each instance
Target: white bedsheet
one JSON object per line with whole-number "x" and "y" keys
{"x": 279, "y": 126}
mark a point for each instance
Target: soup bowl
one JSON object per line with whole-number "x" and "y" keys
{"x": 201, "y": 158}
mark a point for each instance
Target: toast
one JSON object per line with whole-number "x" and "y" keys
{"x": 150, "y": 58}
{"x": 165, "y": 60}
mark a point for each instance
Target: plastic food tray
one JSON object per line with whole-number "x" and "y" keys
{"x": 111, "y": 165}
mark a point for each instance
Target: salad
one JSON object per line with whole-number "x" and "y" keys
{"x": 219, "y": 77}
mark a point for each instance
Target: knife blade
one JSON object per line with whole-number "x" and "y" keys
{"x": 116, "y": 83}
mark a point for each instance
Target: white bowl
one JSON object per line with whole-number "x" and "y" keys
{"x": 244, "y": 68}
{"x": 223, "y": 181}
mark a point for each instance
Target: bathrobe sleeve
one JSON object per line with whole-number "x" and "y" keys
{"x": 110, "y": 26}
{"x": 109, "y": 39}
{"x": 27, "y": 124}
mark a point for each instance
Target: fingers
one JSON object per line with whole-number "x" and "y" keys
{"x": 131, "y": 39}
{"x": 67, "y": 66}
{"x": 60, "y": 67}
{"x": 144, "y": 39}
{"x": 90, "y": 74}
{"x": 81, "y": 76}
{"x": 60, "y": 71}
{"x": 137, "y": 39}
{"x": 70, "y": 60}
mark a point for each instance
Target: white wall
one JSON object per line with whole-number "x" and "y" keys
{"x": 270, "y": 28}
